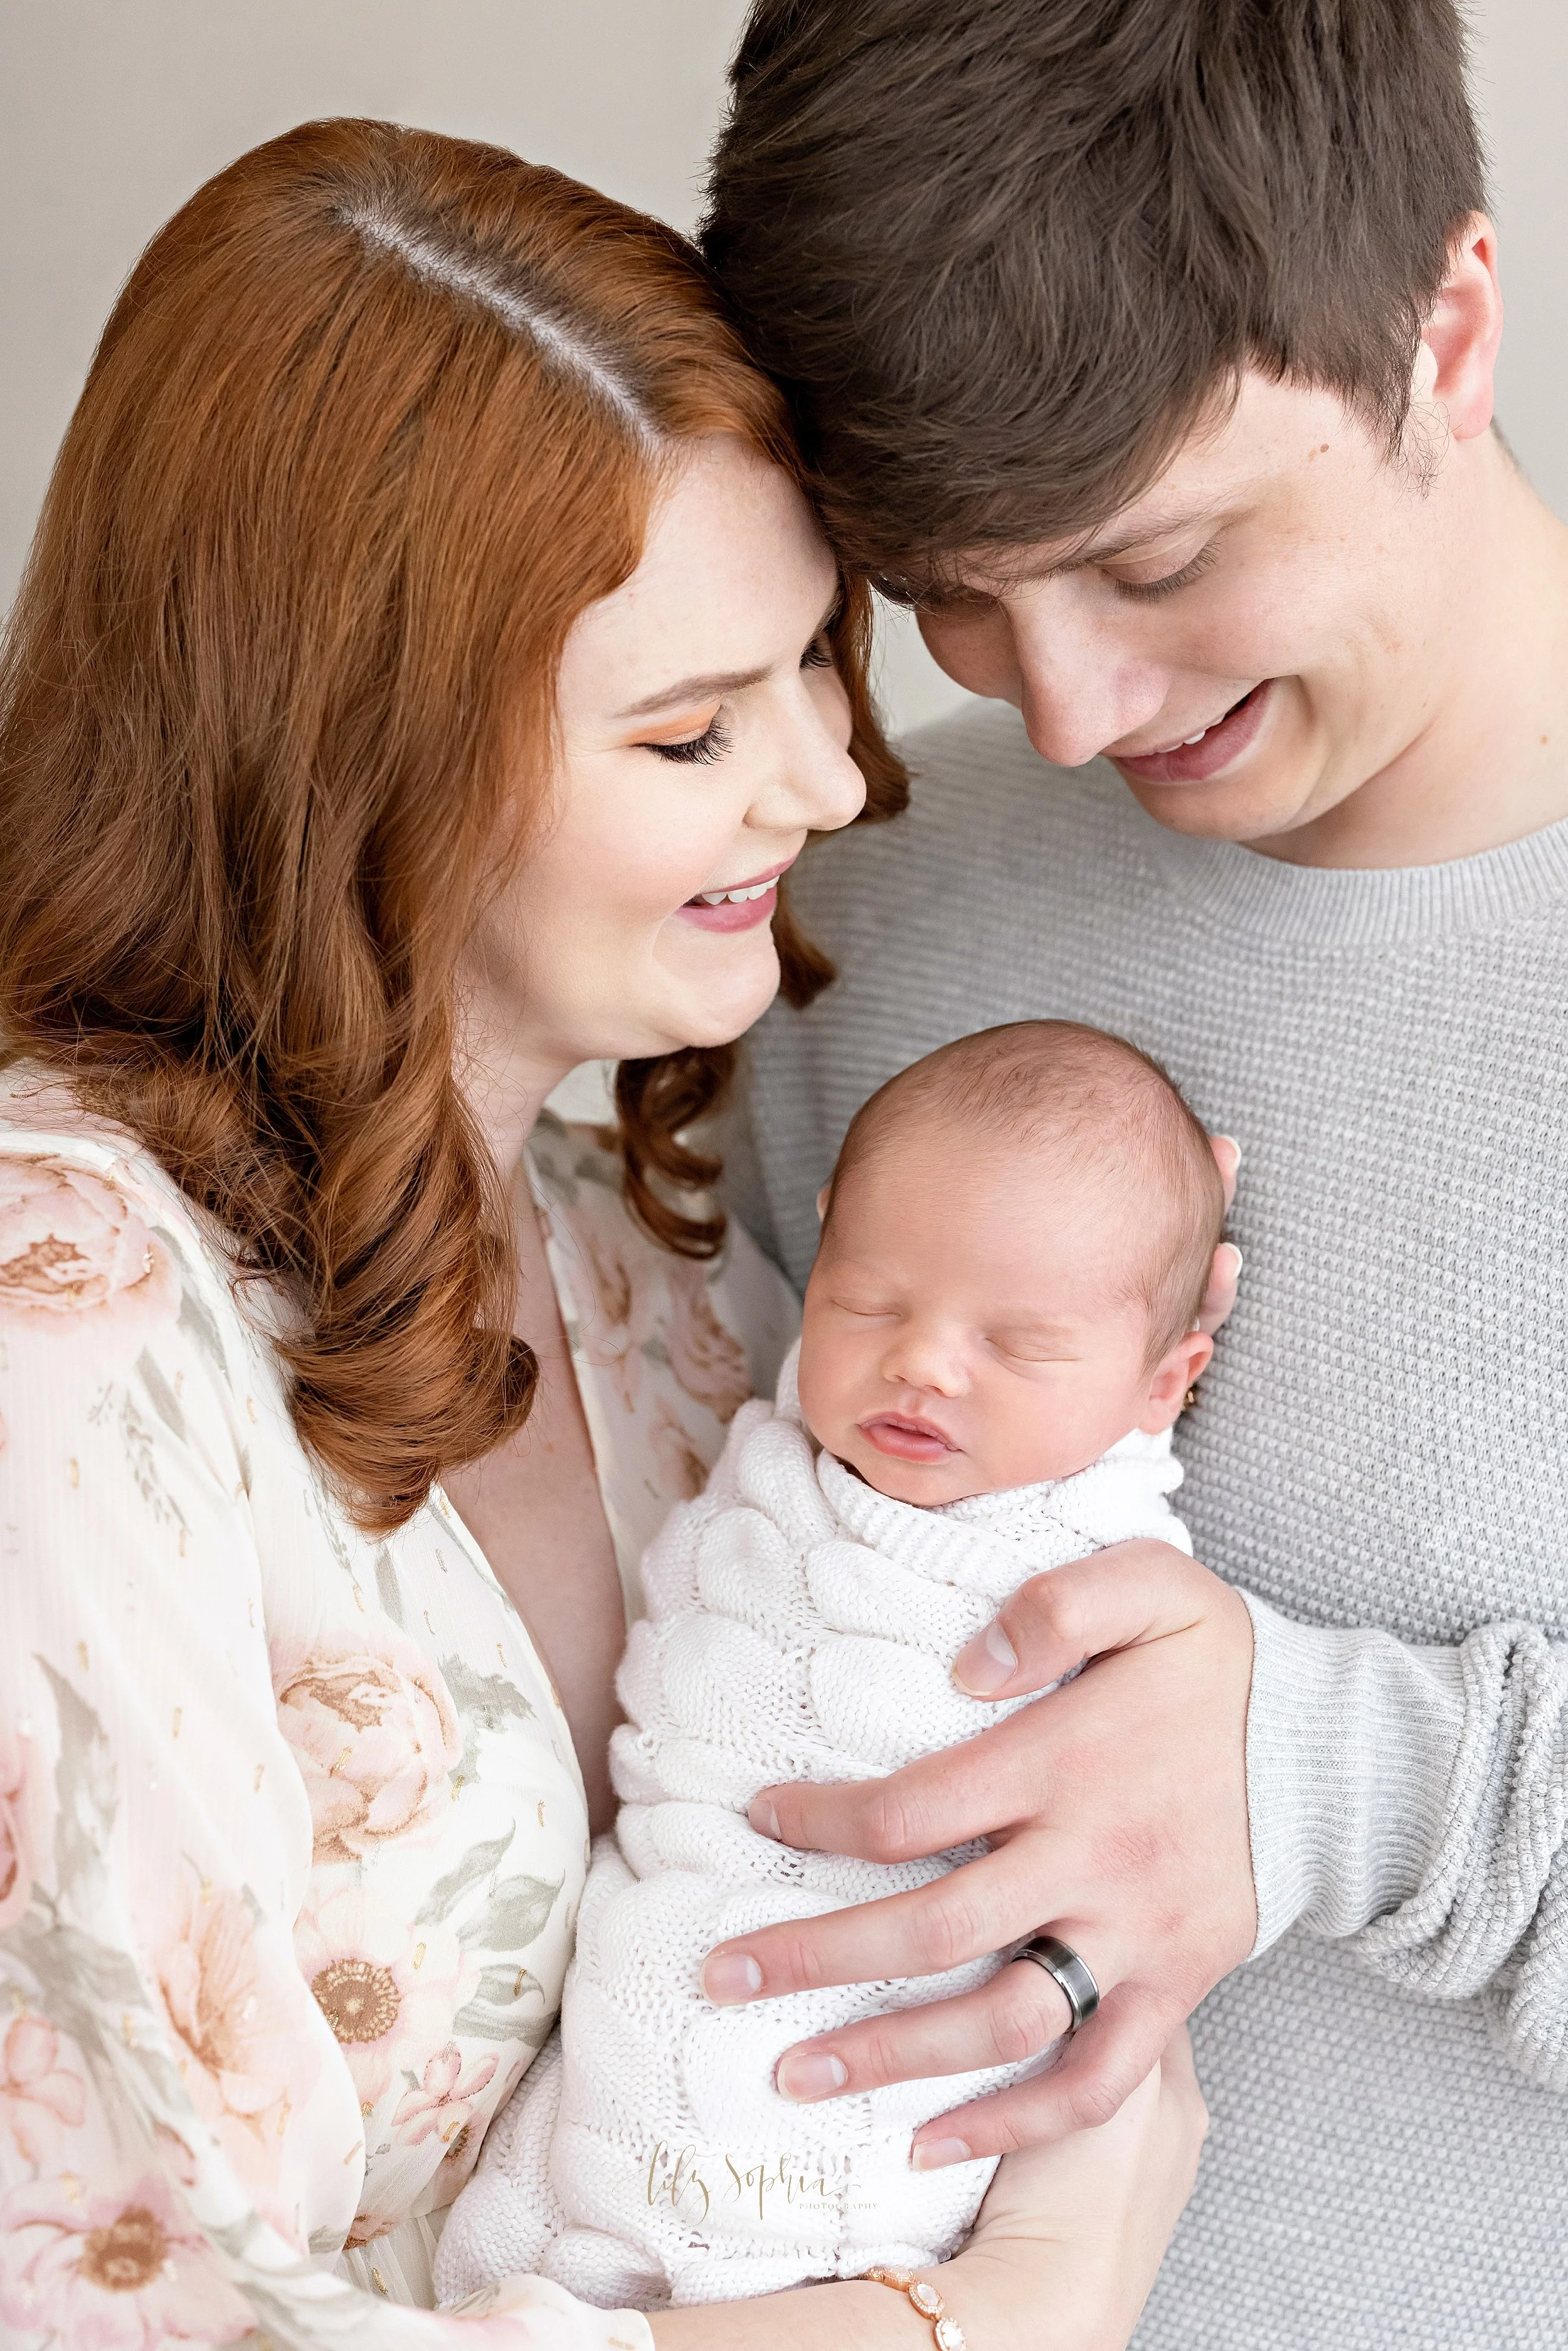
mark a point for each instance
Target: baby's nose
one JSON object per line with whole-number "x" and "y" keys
{"x": 921, "y": 1360}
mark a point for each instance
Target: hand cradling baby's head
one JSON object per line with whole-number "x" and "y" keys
{"x": 1016, "y": 1240}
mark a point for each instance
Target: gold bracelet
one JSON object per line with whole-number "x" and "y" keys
{"x": 927, "y": 2301}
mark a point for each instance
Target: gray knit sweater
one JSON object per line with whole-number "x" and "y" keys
{"x": 1379, "y": 1460}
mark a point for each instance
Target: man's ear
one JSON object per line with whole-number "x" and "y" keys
{"x": 823, "y": 1196}
{"x": 1173, "y": 1375}
{"x": 1455, "y": 365}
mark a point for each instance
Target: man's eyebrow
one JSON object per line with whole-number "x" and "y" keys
{"x": 711, "y": 684}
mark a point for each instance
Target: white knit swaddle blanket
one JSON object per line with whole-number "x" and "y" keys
{"x": 800, "y": 1627}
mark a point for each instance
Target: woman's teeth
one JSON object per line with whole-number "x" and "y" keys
{"x": 742, "y": 897}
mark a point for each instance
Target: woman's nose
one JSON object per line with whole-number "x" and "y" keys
{"x": 814, "y": 782}
{"x": 822, "y": 789}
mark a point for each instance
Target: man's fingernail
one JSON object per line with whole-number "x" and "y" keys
{"x": 763, "y": 1817}
{"x": 733, "y": 1977}
{"x": 812, "y": 2074}
{"x": 931, "y": 2154}
{"x": 989, "y": 1660}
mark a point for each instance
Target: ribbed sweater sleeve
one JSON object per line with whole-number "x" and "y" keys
{"x": 1416, "y": 1800}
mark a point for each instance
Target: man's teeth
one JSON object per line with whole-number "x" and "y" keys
{"x": 736, "y": 897}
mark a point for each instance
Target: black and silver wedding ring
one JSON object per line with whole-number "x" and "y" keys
{"x": 1068, "y": 1972}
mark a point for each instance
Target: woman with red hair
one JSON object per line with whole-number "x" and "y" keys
{"x": 427, "y": 669}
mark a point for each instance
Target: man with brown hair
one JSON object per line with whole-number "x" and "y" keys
{"x": 1146, "y": 347}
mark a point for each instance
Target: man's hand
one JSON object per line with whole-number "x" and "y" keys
{"x": 1116, "y": 1810}
{"x": 1226, "y": 1273}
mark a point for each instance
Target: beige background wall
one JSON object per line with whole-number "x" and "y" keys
{"x": 112, "y": 110}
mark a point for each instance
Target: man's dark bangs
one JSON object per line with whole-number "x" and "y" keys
{"x": 1004, "y": 254}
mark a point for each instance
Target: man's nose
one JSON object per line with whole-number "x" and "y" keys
{"x": 1082, "y": 690}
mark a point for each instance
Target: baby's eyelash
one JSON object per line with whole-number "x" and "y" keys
{"x": 1140, "y": 590}
{"x": 700, "y": 750}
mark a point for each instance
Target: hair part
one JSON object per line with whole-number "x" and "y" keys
{"x": 1100, "y": 1110}
{"x": 1005, "y": 254}
{"x": 378, "y": 414}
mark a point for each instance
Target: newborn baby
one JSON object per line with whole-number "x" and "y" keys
{"x": 999, "y": 1333}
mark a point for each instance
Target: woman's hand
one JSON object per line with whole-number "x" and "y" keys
{"x": 1064, "y": 2251}
{"x": 1080, "y": 2229}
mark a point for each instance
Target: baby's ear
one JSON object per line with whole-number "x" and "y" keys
{"x": 1173, "y": 1375}
{"x": 823, "y": 1196}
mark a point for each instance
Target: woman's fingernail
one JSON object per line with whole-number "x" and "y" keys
{"x": 812, "y": 2074}
{"x": 1236, "y": 1253}
{"x": 989, "y": 1660}
{"x": 732, "y": 1978}
{"x": 763, "y": 1817}
{"x": 931, "y": 2154}
{"x": 1234, "y": 1145}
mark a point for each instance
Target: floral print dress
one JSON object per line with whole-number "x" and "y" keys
{"x": 291, "y": 1833}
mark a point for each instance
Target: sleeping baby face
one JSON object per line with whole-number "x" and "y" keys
{"x": 994, "y": 1305}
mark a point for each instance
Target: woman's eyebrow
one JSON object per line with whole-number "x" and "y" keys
{"x": 711, "y": 683}
{"x": 695, "y": 689}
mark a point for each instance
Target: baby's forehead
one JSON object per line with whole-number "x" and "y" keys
{"x": 1089, "y": 1171}
{"x": 1036, "y": 1211}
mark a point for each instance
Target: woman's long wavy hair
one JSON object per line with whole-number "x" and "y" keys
{"x": 377, "y": 416}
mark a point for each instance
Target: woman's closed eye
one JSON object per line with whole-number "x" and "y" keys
{"x": 698, "y": 750}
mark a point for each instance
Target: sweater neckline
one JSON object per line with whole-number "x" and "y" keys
{"x": 1336, "y": 906}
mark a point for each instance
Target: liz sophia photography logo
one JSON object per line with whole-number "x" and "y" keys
{"x": 693, "y": 2183}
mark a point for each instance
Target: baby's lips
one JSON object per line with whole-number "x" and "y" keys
{"x": 905, "y": 1439}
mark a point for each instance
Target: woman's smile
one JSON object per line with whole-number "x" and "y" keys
{"x": 737, "y": 906}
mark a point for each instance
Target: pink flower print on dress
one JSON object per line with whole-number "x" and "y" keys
{"x": 73, "y": 1249}
{"x": 40, "y": 2099}
{"x": 612, "y": 1316}
{"x": 682, "y": 1472}
{"x": 114, "y": 2271}
{"x": 375, "y": 1734}
{"x": 444, "y": 2105}
{"x": 23, "y": 1823}
{"x": 708, "y": 1361}
{"x": 387, "y": 1989}
{"x": 244, "y": 2060}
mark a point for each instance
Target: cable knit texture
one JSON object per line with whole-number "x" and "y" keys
{"x": 800, "y": 1625}
{"x": 1378, "y": 1461}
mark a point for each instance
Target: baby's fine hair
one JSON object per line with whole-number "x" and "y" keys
{"x": 1095, "y": 1106}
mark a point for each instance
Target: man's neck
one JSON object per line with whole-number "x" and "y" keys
{"x": 1490, "y": 762}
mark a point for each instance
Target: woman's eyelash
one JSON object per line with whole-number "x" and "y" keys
{"x": 1201, "y": 562}
{"x": 700, "y": 751}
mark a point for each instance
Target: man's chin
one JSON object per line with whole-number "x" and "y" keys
{"x": 1253, "y": 812}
